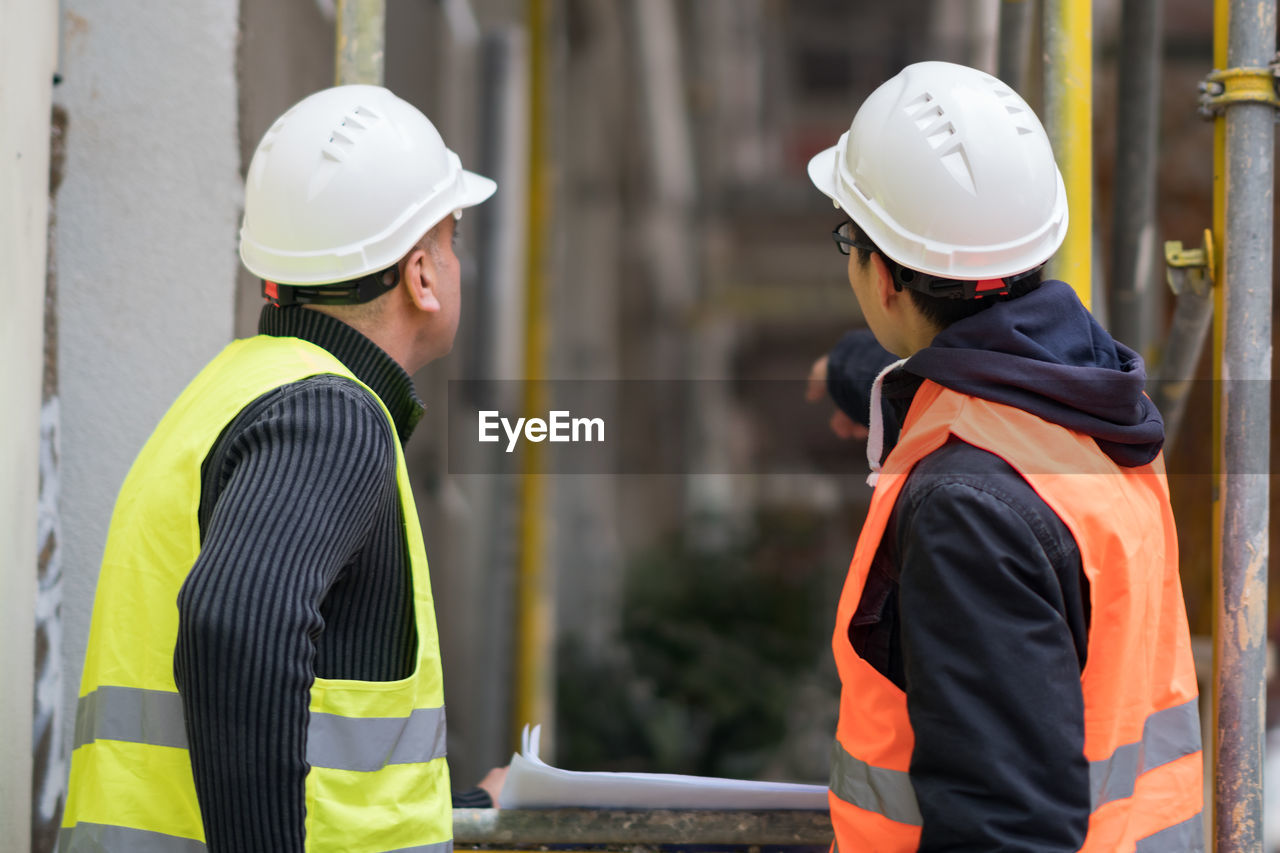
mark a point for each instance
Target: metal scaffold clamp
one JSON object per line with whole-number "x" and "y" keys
{"x": 1225, "y": 87}
{"x": 1190, "y": 270}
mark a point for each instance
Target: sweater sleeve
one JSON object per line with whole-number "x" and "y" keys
{"x": 992, "y": 672}
{"x": 852, "y": 367}
{"x": 301, "y": 477}
{"x": 472, "y": 798}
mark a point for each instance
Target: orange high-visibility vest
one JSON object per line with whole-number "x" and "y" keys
{"x": 1141, "y": 722}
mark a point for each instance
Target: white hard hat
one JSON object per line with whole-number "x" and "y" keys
{"x": 949, "y": 172}
{"x": 344, "y": 184}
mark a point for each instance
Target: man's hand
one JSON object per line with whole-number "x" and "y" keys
{"x": 492, "y": 783}
{"x": 841, "y": 424}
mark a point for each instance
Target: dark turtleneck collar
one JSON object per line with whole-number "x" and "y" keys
{"x": 369, "y": 362}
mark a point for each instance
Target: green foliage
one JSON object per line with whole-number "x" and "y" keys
{"x": 716, "y": 641}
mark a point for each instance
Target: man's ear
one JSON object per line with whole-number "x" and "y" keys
{"x": 886, "y": 293}
{"x": 420, "y": 281}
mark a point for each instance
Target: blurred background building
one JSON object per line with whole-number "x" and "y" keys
{"x": 655, "y": 254}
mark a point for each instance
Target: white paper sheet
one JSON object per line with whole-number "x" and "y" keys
{"x": 533, "y": 784}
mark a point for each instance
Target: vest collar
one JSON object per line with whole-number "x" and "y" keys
{"x": 369, "y": 362}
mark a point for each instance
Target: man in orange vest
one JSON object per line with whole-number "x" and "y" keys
{"x": 1011, "y": 640}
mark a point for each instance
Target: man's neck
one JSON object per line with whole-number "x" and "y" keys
{"x": 377, "y": 325}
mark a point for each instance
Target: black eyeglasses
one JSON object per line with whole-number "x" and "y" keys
{"x": 843, "y": 235}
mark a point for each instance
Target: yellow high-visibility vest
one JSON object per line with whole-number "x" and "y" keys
{"x": 377, "y": 778}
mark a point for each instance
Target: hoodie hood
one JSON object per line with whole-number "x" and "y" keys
{"x": 1045, "y": 353}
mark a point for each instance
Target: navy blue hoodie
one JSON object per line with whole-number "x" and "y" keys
{"x": 976, "y": 604}
{"x": 1042, "y": 352}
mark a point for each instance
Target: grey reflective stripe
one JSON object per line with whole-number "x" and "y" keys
{"x": 345, "y": 743}
{"x": 873, "y": 789}
{"x": 131, "y": 714}
{"x": 371, "y": 743}
{"x": 101, "y": 838}
{"x": 1166, "y": 736}
{"x": 1185, "y": 837}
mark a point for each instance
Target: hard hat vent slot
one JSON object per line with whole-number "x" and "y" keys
{"x": 929, "y": 118}
{"x": 343, "y": 138}
{"x": 957, "y": 163}
{"x": 919, "y": 111}
{"x": 269, "y": 138}
{"x": 940, "y": 134}
{"x": 1017, "y": 111}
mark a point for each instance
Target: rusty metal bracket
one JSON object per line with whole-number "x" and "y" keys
{"x": 1225, "y": 87}
{"x": 1190, "y": 270}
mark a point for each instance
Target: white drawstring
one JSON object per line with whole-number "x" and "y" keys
{"x": 875, "y": 437}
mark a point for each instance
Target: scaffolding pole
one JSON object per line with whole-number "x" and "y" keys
{"x": 535, "y": 580}
{"x": 1068, "y": 100}
{"x": 361, "y": 41}
{"x": 1013, "y": 51}
{"x": 1133, "y": 296}
{"x": 1247, "y": 96}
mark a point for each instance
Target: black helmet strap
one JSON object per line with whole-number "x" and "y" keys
{"x": 354, "y": 292}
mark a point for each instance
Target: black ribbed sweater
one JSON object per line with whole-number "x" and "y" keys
{"x": 302, "y": 573}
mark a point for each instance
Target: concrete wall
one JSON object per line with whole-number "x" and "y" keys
{"x": 145, "y": 248}
{"x": 28, "y": 47}
{"x": 286, "y": 53}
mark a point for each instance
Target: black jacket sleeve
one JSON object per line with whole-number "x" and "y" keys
{"x": 852, "y": 367}
{"x": 993, "y": 643}
{"x": 302, "y": 478}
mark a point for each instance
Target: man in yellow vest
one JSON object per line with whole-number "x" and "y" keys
{"x": 1011, "y": 640}
{"x": 263, "y": 672}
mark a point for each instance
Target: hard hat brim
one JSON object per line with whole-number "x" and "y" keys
{"x": 475, "y": 188}
{"x": 822, "y": 171}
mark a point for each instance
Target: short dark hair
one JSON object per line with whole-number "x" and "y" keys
{"x": 942, "y": 311}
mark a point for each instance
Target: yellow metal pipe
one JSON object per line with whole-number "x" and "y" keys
{"x": 534, "y": 585}
{"x": 1068, "y": 96}
{"x": 361, "y": 41}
